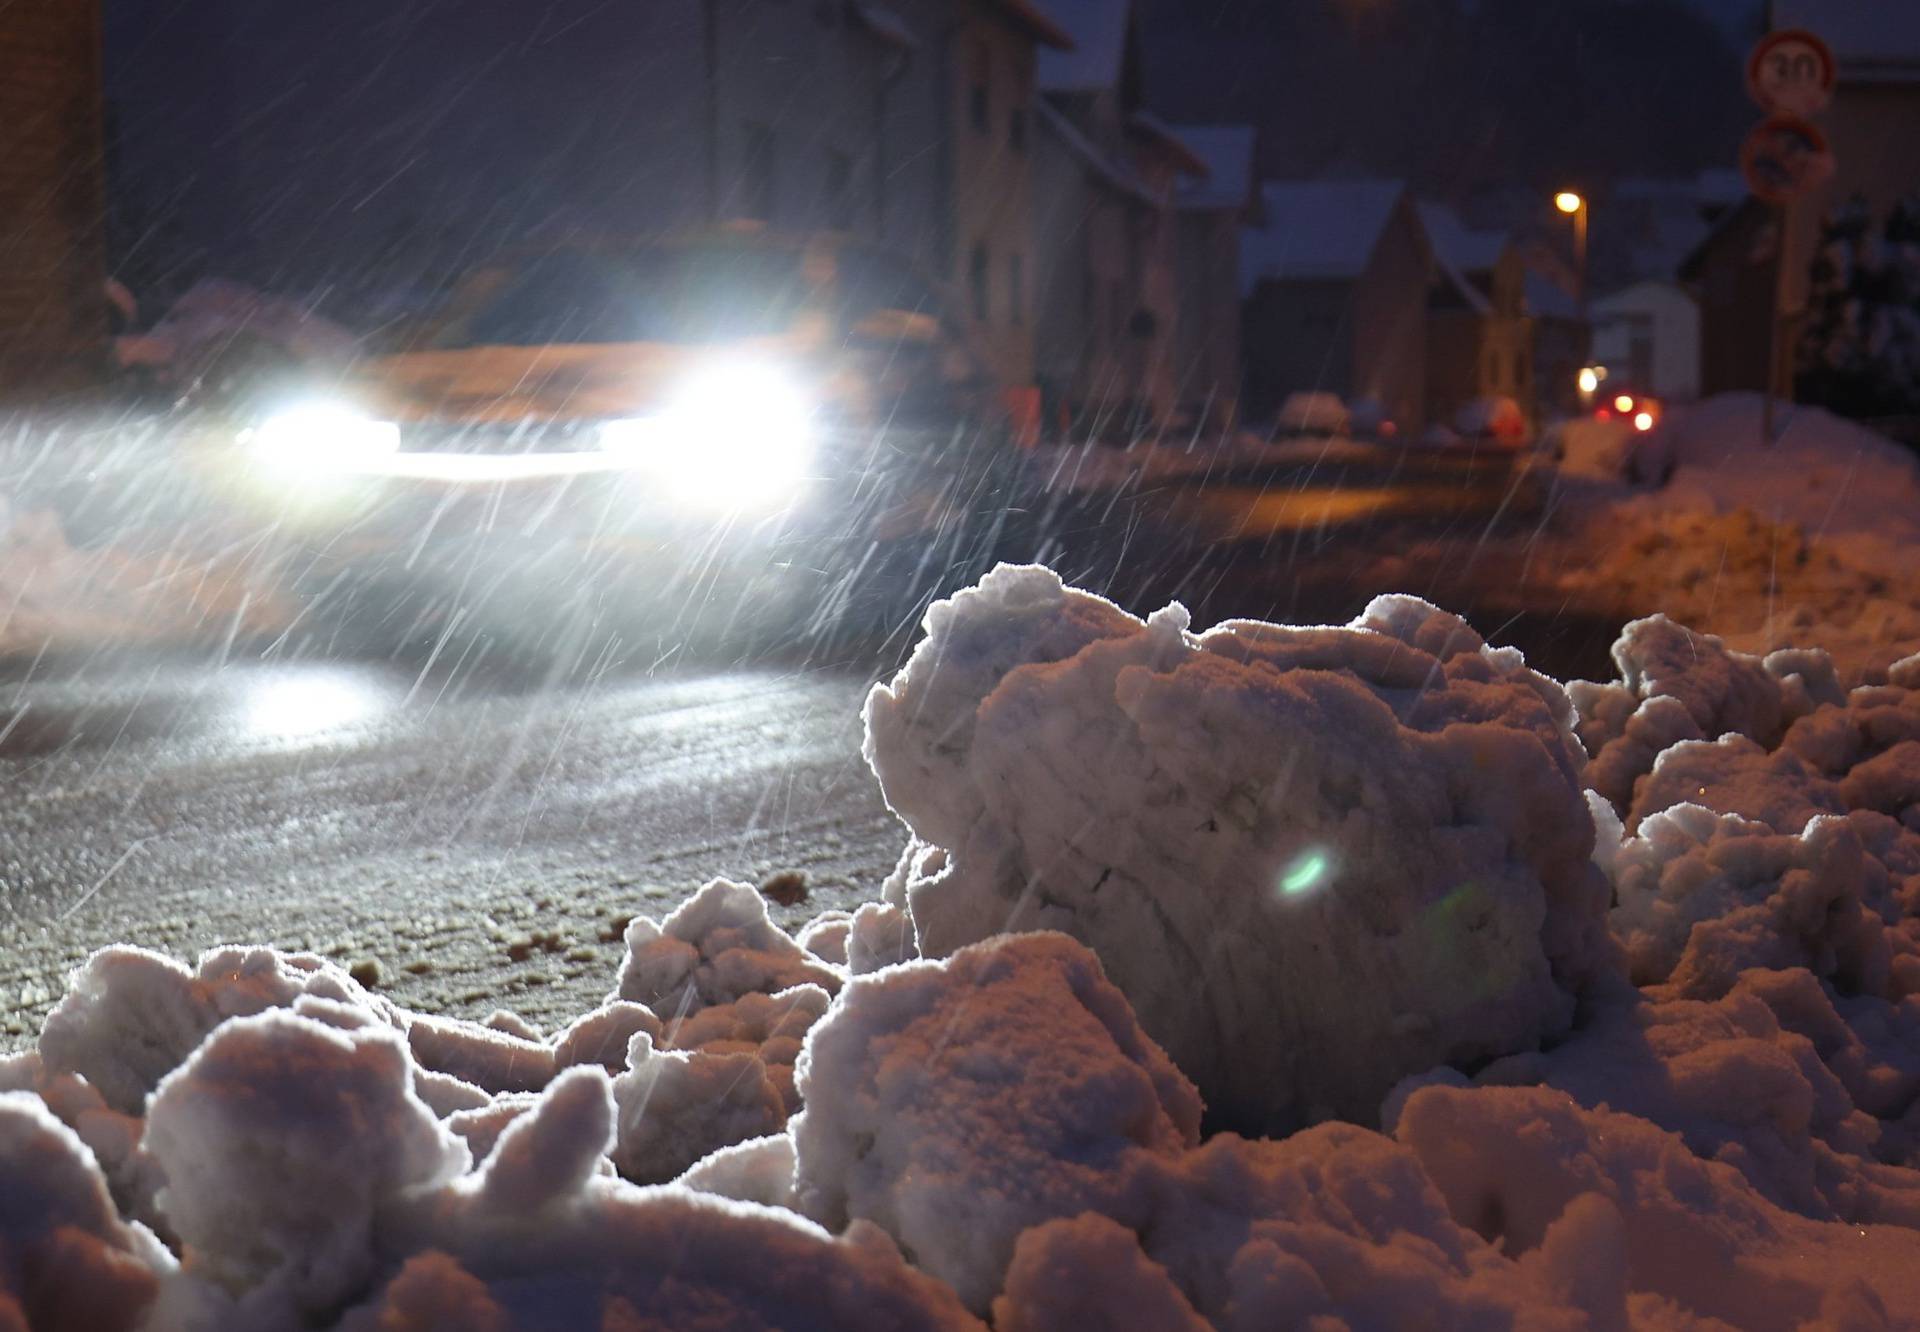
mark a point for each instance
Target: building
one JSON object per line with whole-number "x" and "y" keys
{"x": 368, "y": 153}
{"x": 959, "y": 135}
{"x": 1211, "y": 212}
{"x": 52, "y": 211}
{"x": 1336, "y": 281}
{"x": 1104, "y": 227}
{"x": 1479, "y": 338}
{"x": 1733, "y": 276}
{"x": 1648, "y": 337}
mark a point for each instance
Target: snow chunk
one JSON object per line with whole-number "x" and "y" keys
{"x": 759, "y": 1170}
{"x": 718, "y": 945}
{"x": 281, "y": 1140}
{"x": 677, "y": 1106}
{"x": 1697, "y": 1237}
{"x": 131, "y": 1016}
{"x": 957, "y": 1103}
{"x": 1733, "y": 775}
{"x": 539, "y": 1239}
{"x": 1087, "y": 1272}
{"x": 1315, "y": 859}
{"x": 602, "y": 1036}
{"x": 66, "y": 1258}
{"x": 1702, "y": 897}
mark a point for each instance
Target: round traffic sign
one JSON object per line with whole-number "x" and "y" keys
{"x": 1792, "y": 73}
{"x": 1784, "y": 158}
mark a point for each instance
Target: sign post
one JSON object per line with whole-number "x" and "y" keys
{"x": 1791, "y": 75}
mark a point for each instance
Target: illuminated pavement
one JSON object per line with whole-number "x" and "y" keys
{"x": 478, "y": 835}
{"x": 479, "y": 839}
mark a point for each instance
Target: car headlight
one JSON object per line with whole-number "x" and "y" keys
{"x": 322, "y": 436}
{"x": 735, "y": 436}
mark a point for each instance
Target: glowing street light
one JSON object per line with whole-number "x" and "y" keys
{"x": 1573, "y": 204}
{"x": 1568, "y": 202}
{"x": 1589, "y": 380}
{"x": 1623, "y": 404}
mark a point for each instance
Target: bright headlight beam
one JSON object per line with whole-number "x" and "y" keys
{"x": 323, "y": 436}
{"x": 736, "y": 436}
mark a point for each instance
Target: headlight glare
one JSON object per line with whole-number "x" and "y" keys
{"x": 323, "y": 436}
{"x": 735, "y": 436}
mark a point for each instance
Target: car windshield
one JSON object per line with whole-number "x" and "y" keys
{"x": 690, "y": 294}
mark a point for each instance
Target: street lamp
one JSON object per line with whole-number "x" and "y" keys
{"x": 1574, "y": 205}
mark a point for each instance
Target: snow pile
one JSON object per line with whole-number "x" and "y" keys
{"x": 1813, "y": 539}
{"x": 1771, "y": 819}
{"x": 757, "y": 1130}
{"x": 55, "y": 596}
{"x": 1316, "y": 860}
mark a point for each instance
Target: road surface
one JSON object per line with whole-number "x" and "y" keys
{"x": 474, "y": 835}
{"x": 479, "y": 840}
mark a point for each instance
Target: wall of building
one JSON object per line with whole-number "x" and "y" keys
{"x": 1390, "y": 320}
{"x": 1084, "y": 286}
{"x": 991, "y": 70}
{"x": 52, "y": 213}
{"x": 1299, "y": 338}
{"x": 1736, "y": 283}
{"x": 1207, "y": 362}
{"x": 1649, "y": 336}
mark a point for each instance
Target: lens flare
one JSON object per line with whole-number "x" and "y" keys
{"x": 1308, "y": 871}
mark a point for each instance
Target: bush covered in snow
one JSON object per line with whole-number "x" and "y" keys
{"x": 753, "y": 1132}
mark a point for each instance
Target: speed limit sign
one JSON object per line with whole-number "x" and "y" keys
{"x": 1791, "y": 73}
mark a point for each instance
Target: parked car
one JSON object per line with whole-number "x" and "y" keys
{"x": 1315, "y": 413}
{"x": 1493, "y": 420}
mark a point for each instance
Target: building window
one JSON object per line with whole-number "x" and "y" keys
{"x": 980, "y": 90}
{"x": 1017, "y": 129}
{"x": 1017, "y": 289}
{"x": 839, "y": 191}
{"x": 757, "y": 172}
{"x": 980, "y": 280}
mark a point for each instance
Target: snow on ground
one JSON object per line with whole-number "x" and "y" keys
{"x": 1678, "y": 1087}
{"x": 1810, "y": 540}
{"x": 54, "y": 596}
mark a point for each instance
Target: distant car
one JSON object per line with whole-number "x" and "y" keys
{"x": 1314, "y": 413}
{"x": 1496, "y": 420}
{"x": 1369, "y": 418}
{"x": 677, "y": 409}
{"x": 1628, "y": 405}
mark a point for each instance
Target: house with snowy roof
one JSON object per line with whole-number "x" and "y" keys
{"x": 1336, "y": 281}
{"x": 1479, "y": 339}
{"x": 1107, "y": 172}
{"x": 1210, "y": 213}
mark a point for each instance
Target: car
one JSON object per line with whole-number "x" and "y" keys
{"x": 1499, "y": 421}
{"x": 595, "y": 420}
{"x": 1315, "y": 413}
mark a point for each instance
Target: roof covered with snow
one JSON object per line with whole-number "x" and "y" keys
{"x": 1318, "y": 228}
{"x": 1027, "y": 15}
{"x": 1873, "y": 39}
{"x": 1461, "y": 253}
{"x": 1117, "y": 174}
{"x": 1227, "y": 151}
{"x": 1098, "y": 30}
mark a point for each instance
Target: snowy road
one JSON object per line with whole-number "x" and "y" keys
{"x": 478, "y": 840}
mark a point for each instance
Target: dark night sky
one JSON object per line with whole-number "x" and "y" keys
{"x": 1462, "y": 95}
{"x": 1457, "y": 96}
